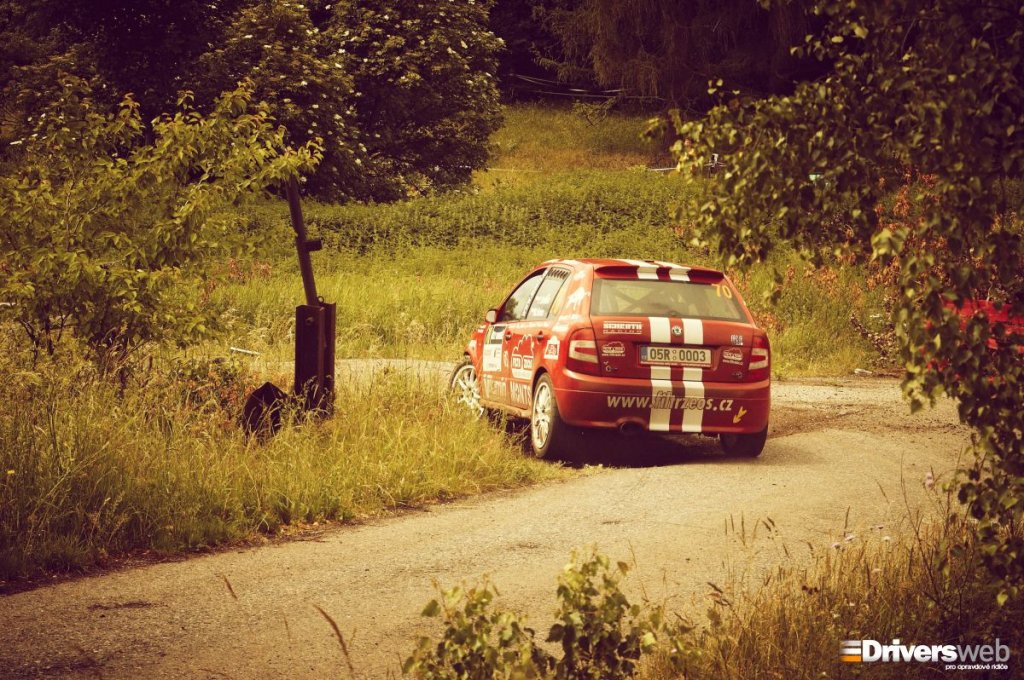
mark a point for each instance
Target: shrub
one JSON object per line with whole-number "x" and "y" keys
{"x": 426, "y": 97}
{"x": 107, "y": 227}
{"x": 305, "y": 83}
{"x": 601, "y": 634}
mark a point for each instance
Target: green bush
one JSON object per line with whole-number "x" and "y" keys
{"x": 426, "y": 99}
{"x": 863, "y": 164}
{"x": 108, "y": 227}
{"x": 306, "y": 84}
{"x": 601, "y": 634}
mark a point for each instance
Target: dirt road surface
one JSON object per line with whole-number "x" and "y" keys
{"x": 836, "y": 454}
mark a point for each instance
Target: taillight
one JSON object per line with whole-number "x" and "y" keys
{"x": 583, "y": 352}
{"x": 760, "y": 358}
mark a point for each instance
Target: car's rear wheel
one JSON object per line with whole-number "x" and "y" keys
{"x": 744, "y": 445}
{"x": 465, "y": 388}
{"x": 549, "y": 435}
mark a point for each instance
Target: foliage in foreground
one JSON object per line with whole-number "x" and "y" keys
{"x": 89, "y": 471}
{"x": 922, "y": 589}
{"x": 930, "y": 90}
{"x": 108, "y": 227}
{"x": 602, "y": 636}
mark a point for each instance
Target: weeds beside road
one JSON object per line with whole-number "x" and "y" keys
{"x": 88, "y": 473}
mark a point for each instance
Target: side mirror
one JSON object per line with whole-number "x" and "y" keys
{"x": 492, "y": 316}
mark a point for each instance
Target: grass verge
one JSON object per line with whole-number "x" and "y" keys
{"x": 924, "y": 587}
{"x": 87, "y": 472}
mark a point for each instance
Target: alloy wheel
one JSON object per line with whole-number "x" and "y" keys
{"x": 540, "y": 422}
{"x": 466, "y": 390}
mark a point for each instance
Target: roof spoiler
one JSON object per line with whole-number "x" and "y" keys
{"x": 659, "y": 271}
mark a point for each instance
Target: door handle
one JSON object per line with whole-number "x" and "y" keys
{"x": 508, "y": 335}
{"x": 540, "y": 335}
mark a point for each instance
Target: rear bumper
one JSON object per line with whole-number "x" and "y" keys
{"x": 708, "y": 407}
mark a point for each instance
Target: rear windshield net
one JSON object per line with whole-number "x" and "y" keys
{"x": 634, "y": 297}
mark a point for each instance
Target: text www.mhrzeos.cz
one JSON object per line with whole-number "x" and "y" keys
{"x": 984, "y": 657}
{"x": 671, "y": 401}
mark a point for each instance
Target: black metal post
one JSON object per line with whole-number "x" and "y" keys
{"x": 302, "y": 243}
{"x": 314, "y": 341}
{"x": 314, "y": 323}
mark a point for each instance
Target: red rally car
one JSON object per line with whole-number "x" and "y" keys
{"x": 625, "y": 344}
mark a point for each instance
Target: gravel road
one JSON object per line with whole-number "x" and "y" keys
{"x": 837, "y": 453}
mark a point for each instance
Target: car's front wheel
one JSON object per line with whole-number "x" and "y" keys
{"x": 465, "y": 389}
{"x": 744, "y": 445}
{"x": 549, "y": 434}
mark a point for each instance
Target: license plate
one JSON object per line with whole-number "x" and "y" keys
{"x": 675, "y": 356}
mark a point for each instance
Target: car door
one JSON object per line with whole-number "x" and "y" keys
{"x": 495, "y": 369}
{"x": 525, "y": 337}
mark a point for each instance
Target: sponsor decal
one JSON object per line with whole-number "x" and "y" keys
{"x": 739, "y": 416}
{"x": 613, "y": 349}
{"x": 520, "y": 393}
{"x": 492, "y": 349}
{"x": 622, "y": 328}
{"x": 677, "y": 330}
{"x": 551, "y": 349}
{"x": 737, "y": 339}
{"x": 979, "y": 657}
{"x": 669, "y": 401}
{"x": 521, "y": 360}
{"x": 495, "y": 389}
{"x": 733, "y": 356}
{"x": 574, "y": 303}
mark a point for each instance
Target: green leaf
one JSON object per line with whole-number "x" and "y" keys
{"x": 432, "y": 609}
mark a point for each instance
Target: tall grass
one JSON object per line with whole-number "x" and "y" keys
{"x": 539, "y": 138}
{"x": 924, "y": 585}
{"x": 413, "y": 279}
{"x": 87, "y": 471}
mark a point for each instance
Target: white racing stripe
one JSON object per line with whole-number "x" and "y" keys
{"x": 661, "y": 378}
{"x": 693, "y": 331}
{"x": 646, "y": 271}
{"x": 675, "y": 272}
{"x": 693, "y": 378}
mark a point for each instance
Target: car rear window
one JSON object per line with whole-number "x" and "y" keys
{"x": 635, "y": 297}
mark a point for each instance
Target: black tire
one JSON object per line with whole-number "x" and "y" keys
{"x": 744, "y": 445}
{"x": 464, "y": 387}
{"x": 550, "y": 437}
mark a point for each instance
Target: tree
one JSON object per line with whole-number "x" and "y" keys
{"x": 107, "y": 226}
{"x": 306, "y": 84}
{"x": 402, "y": 93}
{"x": 425, "y": 91}
{"x": 668, "y": 50}
{"x": 928, "y": 93}
{"x": 144, "y": 47}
